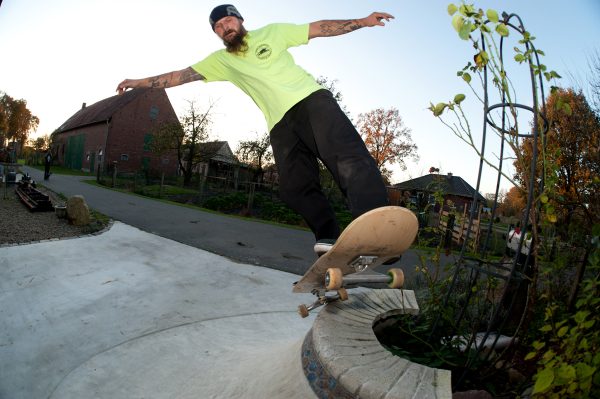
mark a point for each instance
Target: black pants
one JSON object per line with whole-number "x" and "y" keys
{"x": 314, "y": 128}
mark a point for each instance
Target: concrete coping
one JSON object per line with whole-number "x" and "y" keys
{"x": 342, "y": 357}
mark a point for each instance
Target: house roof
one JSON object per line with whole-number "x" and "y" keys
{"x": 449, "y": 184}
{"x": 217, "y": 151}
{"x": 101, "y": 111}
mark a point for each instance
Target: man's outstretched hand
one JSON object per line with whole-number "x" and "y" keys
{"x": 124, "y": 85}
{"x": 376, "y": 19}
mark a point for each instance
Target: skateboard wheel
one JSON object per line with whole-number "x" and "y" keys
{"x": 343, "y": 294}
{"x": 333, "y": 279}
{"x": 303, "y": 311}
{"x": 396, "y": 278}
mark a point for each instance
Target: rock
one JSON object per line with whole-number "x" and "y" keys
{"x": 472, "y": 395}
{"x": 78, "y": 212}
{"x": 515, "y": 377}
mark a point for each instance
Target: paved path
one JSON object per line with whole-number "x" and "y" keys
{"x": 278, "y": 247}
{"x": 246, "y": 241}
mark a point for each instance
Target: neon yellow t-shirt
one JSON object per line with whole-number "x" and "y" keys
{"x": 267, "y": 71}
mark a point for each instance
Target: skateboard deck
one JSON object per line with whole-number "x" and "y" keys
{"x": 383, "y": 233}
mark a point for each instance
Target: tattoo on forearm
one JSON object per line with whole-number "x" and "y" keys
{"x": 174, "y": 78}
{"x": 160, "y": 81}
{"x": 189, "y": 75}
{"x": 334, "y": 28}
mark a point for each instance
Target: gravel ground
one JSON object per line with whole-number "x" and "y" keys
{"x": 18, "y": 225}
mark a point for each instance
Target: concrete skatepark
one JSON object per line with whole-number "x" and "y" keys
{"x": 129, "y": 314}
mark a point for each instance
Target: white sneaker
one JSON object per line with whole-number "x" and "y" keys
{"x": 323, "y": 246}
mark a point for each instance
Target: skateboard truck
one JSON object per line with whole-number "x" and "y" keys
{"x": 335, "y": 280}
{"x": 322, "y": 299}
{"x": 362, "y": 262}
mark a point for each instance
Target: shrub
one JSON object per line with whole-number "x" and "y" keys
{"x": 227, "y": 202}
{"x": 568, "y": 355}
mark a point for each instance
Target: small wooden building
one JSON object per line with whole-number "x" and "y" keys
{"x": 217, "y": 160}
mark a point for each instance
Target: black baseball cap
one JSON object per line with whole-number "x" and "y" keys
{"x": 222, "y": 11}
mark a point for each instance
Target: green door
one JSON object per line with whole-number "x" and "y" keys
{"x": 145, "y": 164}
{"x": 74, "y": 152}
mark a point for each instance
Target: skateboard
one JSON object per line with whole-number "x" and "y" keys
{"x": 377, "y": 237}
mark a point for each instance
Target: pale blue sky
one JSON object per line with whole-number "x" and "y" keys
{"x": 59, "y": 54}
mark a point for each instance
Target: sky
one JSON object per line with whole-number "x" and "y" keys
{"x": 59, "y": 54}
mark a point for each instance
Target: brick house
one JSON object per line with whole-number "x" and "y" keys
{"x": 420, "y": 191}
{"x": 117, "y": 130}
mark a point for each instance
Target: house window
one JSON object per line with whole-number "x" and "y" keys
{"x": 124, "y": 157}
{"x": 153, "y": 112}
{"x": 147, "y": 142}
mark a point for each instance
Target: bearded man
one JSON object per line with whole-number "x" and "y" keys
{"x": 304, "y": 120}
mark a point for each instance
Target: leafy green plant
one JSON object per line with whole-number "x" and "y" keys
{"x": 483, "y": 30}
{"x": 277, "y": 211}
{"x": 568, "y": 355}
{"x": 227, "y": 202}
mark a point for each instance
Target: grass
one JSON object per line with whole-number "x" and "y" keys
{"x": 168, "y": 190}
{"x": 195, "y": 207}
{"x": 98, "y": 220}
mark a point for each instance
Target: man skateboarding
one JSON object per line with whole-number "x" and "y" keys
{"x": 305, "y": 122}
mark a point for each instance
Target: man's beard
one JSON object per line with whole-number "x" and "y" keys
{"x": 237, "y": 44}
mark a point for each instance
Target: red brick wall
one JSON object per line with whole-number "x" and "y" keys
{"x": 124, "y": 135}
{"x": 131, "y": 124}
{"x": 94, "y": 142}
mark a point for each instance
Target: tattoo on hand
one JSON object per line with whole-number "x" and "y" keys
{"x": 334, "y": 28}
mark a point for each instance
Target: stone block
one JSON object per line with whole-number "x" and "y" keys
{"x": 78, "y": 212}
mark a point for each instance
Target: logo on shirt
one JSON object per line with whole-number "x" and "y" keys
{"x": 263, "y": 51}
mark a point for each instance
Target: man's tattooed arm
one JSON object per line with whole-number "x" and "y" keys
{"x": 335, "y": 28}
{"x": 163, "y": 81}
{"x": 327, "y": 28}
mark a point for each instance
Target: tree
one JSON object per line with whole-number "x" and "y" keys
{"x": 490, "y": 198}
{"x": 513, "y": 203}
{"x": 255, "y": 153}
{"x": 186, "y": 137}
{"x": 41, "y": 143}
{"x": 166, "y": 138}
{"x": 572, "y": 161}
{"x": 590, "y": 84}
{"x": 595, "y": 81}
{"x": 5, "y": 101}
{"x": 16, "y": 121}
{"x": 331, "y": 86}
{"x": 387, "y": 139}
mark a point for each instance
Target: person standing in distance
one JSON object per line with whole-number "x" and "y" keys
{"x": 304, "y": 120}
